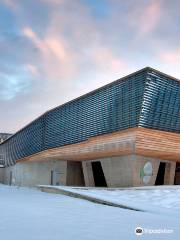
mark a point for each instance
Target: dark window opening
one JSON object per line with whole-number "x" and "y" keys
{"x": 51, "y": 177}
{"x": 177, "y": 174}
{"x": 160, "y": 174}
{"x": 10, "y": 178}
{"x": 98, "y": 174}
{"x": 55, "y": 178}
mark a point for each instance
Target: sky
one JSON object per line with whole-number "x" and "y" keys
{"x": 52, "y": 51}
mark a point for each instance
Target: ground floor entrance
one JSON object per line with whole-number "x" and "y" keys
{"x": 128, "y": 171}
{"x": 119, "y": 171}
{"x": 160, "y": 174}
{"x": 98, "y": 174}
{"x": 177, "y": 174}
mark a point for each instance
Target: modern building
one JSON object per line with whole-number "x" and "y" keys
{"x": 126, "y": 133}
{"x": 3, "y": 137}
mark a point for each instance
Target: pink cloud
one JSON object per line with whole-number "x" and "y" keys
{"x": 150, "y": 17}
{"x": 57, "y": 48}
{"x": 171, "y": 56}
{"x": 71, "y": 57}
{"x": 56, "y": 60}
{"x": 61, "y": 59}
{"x": 83, "y": 49}
{"x": 106, "y": 60}
{"x": 29, "y": 33}
{"x": 56, "y": 2}
{"x": 145, "y": 19}
{"x": 32, "y": 69}
{"x": 13, "y": 5}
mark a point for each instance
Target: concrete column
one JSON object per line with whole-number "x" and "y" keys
{"x": 138, "y": 165}
{"x": 170, "y": 173}
{"x": 75, "y": 175}
{"x": 118, "y": 171}
{"x": 1, "y": 175}
{"x": 88, "y": 174}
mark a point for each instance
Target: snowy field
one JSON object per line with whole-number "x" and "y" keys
{"x": 165, "y": 199}
{"x": 28, "y": 214}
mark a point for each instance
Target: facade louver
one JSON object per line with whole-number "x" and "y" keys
{"x": 146, "y": 98}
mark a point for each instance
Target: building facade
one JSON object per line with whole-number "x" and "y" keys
{"x": 126, "y": 133}
{"x": 3, "y": 137}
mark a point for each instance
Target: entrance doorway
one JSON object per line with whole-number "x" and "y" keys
{"x": 98, "y": 174}
{"x": 55, "y": 178}
{"x": 160, "y": 174}
{"x": 177, "y": 174}
{"x": 10, "y": 178}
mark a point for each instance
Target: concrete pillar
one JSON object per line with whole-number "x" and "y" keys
{"x": 88, "y": 174}
{"x": 138, "y": 165}
{"x": 75, "y": 175}
{"x": 170, "y": 173}
{"x": 1, "y": 175}
{"x": 118, "y": 171}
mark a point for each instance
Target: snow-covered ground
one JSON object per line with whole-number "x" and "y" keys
{"x": 28, "y": 214}
{"x": 157, "y": 199}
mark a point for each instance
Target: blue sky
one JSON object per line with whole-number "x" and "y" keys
{"x": 52, "y": 51}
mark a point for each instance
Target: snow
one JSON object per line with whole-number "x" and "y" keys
{"x": 162, "y": 197}
{"x": 160, "y": 200}
{"x": 28, "y": 214}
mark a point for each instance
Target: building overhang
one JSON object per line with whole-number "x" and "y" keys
{"x": 139, "y": 141}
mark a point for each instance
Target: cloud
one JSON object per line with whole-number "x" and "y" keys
{"x": 10, "y": 3}
{"x": 58, "y": 50}
{"x": 13, "y": 84}
{"x": 63, "y": 57}
{"x": 150, "y": 17}
{"x": 32, "y": 69}
{"x": 145, "y": 18}
{"x": 56, "y": 59}
{"x": 171, "y": 56}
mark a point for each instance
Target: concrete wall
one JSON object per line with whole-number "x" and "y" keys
{"x": 1, "y": 175}
{"x": 117, "y": 171}
{"x": 45, "y": 173}
{"x": 124, "y": 171}
{"x": 35, "y": 173}
{"x": 139, "y": 163}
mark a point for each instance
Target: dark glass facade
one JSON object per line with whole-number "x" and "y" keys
{"x": 161, "y": 103}
{"x": 145, "y": 98}
{"x": 106, "y": 110}
{"x": 4, "y": 136}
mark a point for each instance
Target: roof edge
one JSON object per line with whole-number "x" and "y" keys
{"x": 163, "y": 74}
{"x": 145, "y": 69}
